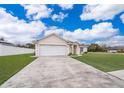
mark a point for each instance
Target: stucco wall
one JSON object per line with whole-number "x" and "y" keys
{"x": 37, "y": 50}
{"x": 53, "y": 40}
{"x": 11, "y": 50}
{"x": 78, "y": 50}
{"x": 85, "y": 49}
{"x": 112, "y": 51}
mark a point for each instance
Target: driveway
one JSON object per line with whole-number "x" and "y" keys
{"x": 62, "y": 72}
{"x": 118, "y": 73}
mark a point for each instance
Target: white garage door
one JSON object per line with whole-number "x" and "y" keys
{"x": 53, "y": 50}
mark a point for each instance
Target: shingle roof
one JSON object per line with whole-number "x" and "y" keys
{"x": 68, "y": 41}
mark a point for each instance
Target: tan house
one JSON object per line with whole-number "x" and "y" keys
{"x": 54, "y": 45}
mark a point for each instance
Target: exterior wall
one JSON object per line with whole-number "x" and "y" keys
{"x": 85, "y": 49}
{"x": 78, "y": 50}
{"x": 69, "y": 48}
{"x": 37, "y": 50}
{"x": 11, "y": 50}
{"x": 112, "y": 51}
{"x": 68, "y": 51}
{"x": 52, "y": 40}
{"x": 72, "y": 49}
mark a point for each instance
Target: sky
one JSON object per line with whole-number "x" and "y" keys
{"x": 101, "y": 24}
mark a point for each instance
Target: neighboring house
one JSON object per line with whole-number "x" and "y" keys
{"x": 54, "y": 45}
{"x": 10, "y": 49}
{"x": 112, "y": 51}
{"x": 115, "y": 49}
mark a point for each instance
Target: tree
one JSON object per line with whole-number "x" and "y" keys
{"x": 1, "y": 39}
{"x": 29, "y": 45}
{"x": 96, "y": 48}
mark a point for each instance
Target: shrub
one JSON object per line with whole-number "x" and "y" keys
{"x": 85, "y": 52}
{"x": 69, "y": 54}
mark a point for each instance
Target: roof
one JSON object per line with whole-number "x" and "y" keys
{"x": 83, "y": 45}
{"x": 67, "y": 41}
{"x": 116, "y": 48}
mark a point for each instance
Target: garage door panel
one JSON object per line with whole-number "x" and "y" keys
{"x": 53, "y": 50}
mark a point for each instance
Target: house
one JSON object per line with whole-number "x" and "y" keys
{"x": 115, "y": 49}
{"x": 10, "y": 49}
{"x": 54, "y": 45}
{"x": 112, "y": 51}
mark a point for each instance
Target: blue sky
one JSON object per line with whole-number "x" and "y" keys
{"x": 102, "y": 24}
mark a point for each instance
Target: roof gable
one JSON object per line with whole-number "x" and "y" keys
{"x": 57, "y": 36}
{"x": 52, "y": 39}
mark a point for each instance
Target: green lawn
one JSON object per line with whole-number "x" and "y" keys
{"x": 103, "y": 61}
{"x": 9, "y": 65}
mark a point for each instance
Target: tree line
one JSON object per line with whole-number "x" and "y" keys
{"x": 97, "y": 48}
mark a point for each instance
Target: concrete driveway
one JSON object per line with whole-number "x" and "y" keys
{"x": 118, "y": 73}
{"x": 62, "y": 72}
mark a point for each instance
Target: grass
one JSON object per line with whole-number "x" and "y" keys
{"x": 103, "y": 61}
{"x": 9, "y": 65}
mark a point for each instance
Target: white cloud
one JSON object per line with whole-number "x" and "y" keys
{"x": 18, "y": 31}
{"x": 55, "y": 30}
{"x": 59, "y": 17}
{"x": 60, "y": 32}
{"x": 66, "y": 6}
{"x": 113, "y": 41}
{"x": 37, "y": 11}
{"x": 122, "y": 18}
{"x": 101, "y": 12}
{"x": 98, "y": 31}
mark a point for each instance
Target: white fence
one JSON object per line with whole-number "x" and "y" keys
{"x": 11, "y": 50}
